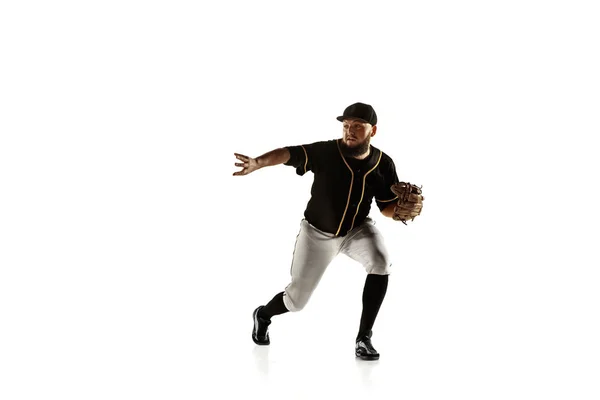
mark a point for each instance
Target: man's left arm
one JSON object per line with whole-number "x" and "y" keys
{"x": 385, "y": 198}
{"x": 388, "y": 211}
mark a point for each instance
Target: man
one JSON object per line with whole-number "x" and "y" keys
{"x": 348, "y": 173}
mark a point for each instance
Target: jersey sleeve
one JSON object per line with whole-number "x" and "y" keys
{"x": 304, "y": 157}
{"x": 384, "y": 195}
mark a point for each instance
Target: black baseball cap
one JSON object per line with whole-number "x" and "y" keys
{"x": 360, "y": 111}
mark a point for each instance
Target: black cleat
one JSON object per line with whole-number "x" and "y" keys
{"x": 260, "y": 332}
{"x": 365, "y": 350}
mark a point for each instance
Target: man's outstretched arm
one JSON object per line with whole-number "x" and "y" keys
{"x": 271, "y": 158}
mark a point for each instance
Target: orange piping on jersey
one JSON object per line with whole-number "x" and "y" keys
{"x": 363, "y": 188}
{"x": 305, "y": 158}
{"x": 349, "y": 192}
{"x": 385, "y": 201}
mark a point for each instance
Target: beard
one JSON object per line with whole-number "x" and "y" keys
{"x": 357, "y": 150}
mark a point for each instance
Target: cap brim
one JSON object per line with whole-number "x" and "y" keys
{"x": 342, "y": 118}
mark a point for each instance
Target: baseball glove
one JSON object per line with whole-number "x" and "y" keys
{"x": 409, "y": 203}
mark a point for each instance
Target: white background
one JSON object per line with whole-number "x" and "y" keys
{"x": 131, "y": 259}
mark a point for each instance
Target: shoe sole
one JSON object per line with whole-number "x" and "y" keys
{"x": 260, "y": 343}
{"x": 367, "y": 358}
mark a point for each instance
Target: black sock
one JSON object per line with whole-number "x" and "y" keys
{"x": 274, "y": 307}
{"x": 373, "y": 294}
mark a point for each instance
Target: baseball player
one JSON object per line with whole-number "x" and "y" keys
{"x": 348, "y": 173}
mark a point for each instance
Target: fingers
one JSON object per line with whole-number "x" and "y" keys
{"x": 243, "y": 164}
{"x": 241, "y": 157}
{"x": 244, "y": 171}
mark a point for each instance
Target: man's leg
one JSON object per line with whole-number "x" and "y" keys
{"x": 274, "y": 307}
{"x": 368, "y": 248}
{"x": 373, "y": 294}
{"x": 313, "y": 252}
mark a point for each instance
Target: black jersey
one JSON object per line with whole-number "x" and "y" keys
{"x": 343, "y": 187}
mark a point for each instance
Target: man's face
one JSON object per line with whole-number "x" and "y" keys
{"x": 357, "y": 132}
{"x": 357, "y": 137}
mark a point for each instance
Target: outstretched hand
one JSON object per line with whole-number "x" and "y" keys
{"x": 248, "y": 164}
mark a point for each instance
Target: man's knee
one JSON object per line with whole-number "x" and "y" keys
{"x": 295, "y": 302}
{"x": 380, "y": 264}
